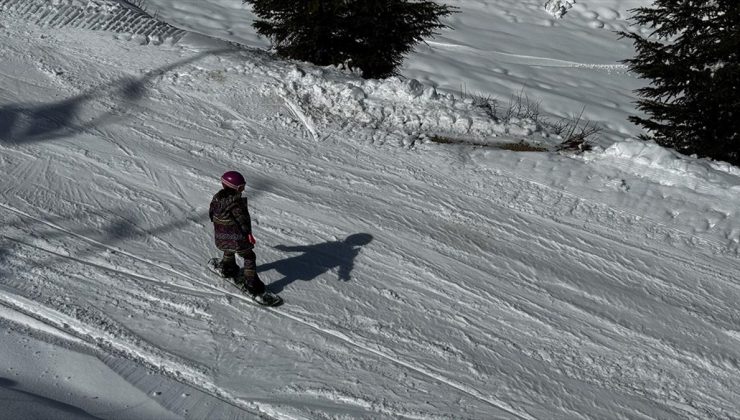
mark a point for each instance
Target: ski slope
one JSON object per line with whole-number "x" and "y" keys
{"x": 421, "y": 280}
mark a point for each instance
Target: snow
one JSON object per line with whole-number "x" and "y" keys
{"x": 558, "y": 8}
{"x": 496, "y": 48}
{"x": 421, "y": 280}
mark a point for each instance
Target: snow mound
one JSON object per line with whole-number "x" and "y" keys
{"x": 668, "y": 167}
{"x": 405, "y": 108}
{"x": 558, "y": 8}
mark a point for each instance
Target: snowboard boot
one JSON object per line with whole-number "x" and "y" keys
{"x": 255, "y": 288}
{"x": 228, "y": 268}
{"x": 267, "y": 299}
{"x": 251, "y": 282}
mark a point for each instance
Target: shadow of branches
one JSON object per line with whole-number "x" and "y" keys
{"x": 29, "y": 123}
{"x": 122, "y": 226}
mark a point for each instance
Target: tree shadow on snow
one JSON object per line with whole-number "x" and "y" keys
{"x": 124, "y": 226}
{"x": 316, "y": 260}
{"x": 111, "y": 235}
{"x": 30, "y": 123}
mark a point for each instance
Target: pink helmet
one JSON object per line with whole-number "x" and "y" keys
{"x": 233, "y": 180}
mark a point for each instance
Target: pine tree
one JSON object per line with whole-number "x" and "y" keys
{"x": 692, "y": 58}
{"x": 372, "y": 35}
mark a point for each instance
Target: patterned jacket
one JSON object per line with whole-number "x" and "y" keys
{"x": 231, "y": 222}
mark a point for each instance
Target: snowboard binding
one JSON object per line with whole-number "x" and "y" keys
{"x": 233, "y": 274}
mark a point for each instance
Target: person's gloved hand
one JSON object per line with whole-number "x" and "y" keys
{"x": 251, "y": 239}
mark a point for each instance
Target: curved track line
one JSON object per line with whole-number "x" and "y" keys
{"x": 78, "y": 329}
{"x": 106, "y": 267}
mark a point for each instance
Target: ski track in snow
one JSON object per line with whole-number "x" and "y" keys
{"x": 341, "y": 336}
{"x": 153, "y": 358}
{"x": 508, "y": 329}
{"x": 534, "y": 60}
{"x": 110, "y": 16}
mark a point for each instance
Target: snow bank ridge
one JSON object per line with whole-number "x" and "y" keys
{"x": 98, "y": 15}
{"x": 406, "y": 108}
{"x": 682, "y": 170}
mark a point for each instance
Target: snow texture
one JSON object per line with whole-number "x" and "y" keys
{"x": 558, "y": 8}
{"x": 421, "y": 280}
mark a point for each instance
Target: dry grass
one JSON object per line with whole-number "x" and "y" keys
{"x": 521, "y": 146}
{"x": 216, "y": 76}
{"x": 575, "y": 132}
{"x": 450, "y": 140}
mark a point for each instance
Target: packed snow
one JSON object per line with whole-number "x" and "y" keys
{"x": 558, "y": 8}
{"x": 422, "y": 280}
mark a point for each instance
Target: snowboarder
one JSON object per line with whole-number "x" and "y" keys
{"x": 233, "y": 233}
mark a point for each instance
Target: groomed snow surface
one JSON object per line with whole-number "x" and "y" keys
{"x": 421, "y": 280}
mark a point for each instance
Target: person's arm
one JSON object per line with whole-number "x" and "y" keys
{"x": 345, "y": 270}
{"x": 240, "y": 212}
{"x": 210, "y": 209}
{"x": 286, "y": 248}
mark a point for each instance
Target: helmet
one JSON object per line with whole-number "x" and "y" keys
{"x": 359, "y": 239}
{"x": 233, "y": 180}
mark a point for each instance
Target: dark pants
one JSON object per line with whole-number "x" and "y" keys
{"x": 251, "y": 280}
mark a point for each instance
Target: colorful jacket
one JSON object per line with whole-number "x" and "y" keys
{"x": 231, "y": 222}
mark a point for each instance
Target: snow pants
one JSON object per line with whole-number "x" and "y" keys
{"x": 251, "y": 280}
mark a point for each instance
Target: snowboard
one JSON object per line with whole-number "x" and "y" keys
{"x": 267, "y": 299}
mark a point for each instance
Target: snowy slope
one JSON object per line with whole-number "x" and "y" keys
{"x": 421, "y": 280}
{"x": 494, "y": 48}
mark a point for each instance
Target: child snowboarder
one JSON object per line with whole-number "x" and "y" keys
{"x": 233, "y": 233}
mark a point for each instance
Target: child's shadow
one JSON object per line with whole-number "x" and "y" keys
{"x": 316, "y": 260}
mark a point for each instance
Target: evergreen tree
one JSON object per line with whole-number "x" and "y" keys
{"x": 372, "y": 35}
{"x": 692, "y": 58}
